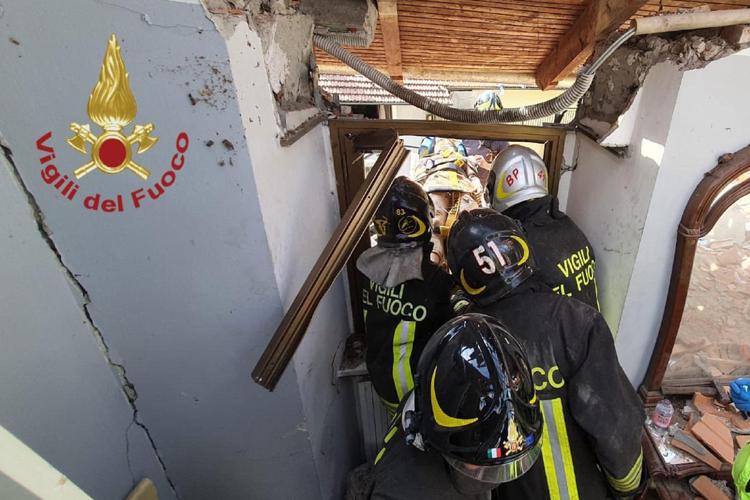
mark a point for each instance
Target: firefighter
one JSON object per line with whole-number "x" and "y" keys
{"x": 471, "y": 422}
{"x": 518, "y": 188}
{"x": 405, "y": 297}
{"x": 592, "y": 416}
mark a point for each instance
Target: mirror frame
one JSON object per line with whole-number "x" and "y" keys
{"x": 704, "y": 208}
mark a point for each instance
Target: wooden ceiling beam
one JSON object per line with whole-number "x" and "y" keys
{"x": 598, "y": 19}
{"x": 388, "y": 13}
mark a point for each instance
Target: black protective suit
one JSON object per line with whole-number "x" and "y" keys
{"x": 403, "y": 472}
{"x": 592, "y": 415}
{"x": 398, "y": 323}
{"x": 563, "y": 254}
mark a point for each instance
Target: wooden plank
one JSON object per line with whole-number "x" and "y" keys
{"x": 598, "y": 19}
{"x": 388, "y": 13}
{"x": 704, "y": 486}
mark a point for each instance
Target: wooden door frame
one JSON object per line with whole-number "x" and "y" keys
{"x": 707, "y": 203}
{"x": 349, "y": 135}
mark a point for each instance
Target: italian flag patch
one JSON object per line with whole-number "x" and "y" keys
{"x": 494, "y": 453}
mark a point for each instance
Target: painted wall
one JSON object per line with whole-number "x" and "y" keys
{"x": 609, "y": 197}
{"x": 186, "y": 289}
{"x": 298, "y": 202}
{"x": 710, "y": 119}
{"x": 57, "y": 392}
{"x": 630, "y": 208}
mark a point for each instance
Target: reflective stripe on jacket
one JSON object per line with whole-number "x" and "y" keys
{"x": 593, "y": 417}
{"x": 398, "y": 323}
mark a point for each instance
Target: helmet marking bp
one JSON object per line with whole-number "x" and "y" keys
{"x": 518, "y": 174}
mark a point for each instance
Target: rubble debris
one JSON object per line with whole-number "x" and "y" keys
{"x": 228, "y": 144}
{"x": 209, "y": 143}
{"x": 617, "y": 82}
{"x": 706, "y": 488}
{"x": 714, "y": 434}
{"x": 686, "y": 441}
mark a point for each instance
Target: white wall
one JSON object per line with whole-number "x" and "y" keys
{"x": 630, "y": 208}
{"x": 710, "y": 119}
{"x": 609, "y": 196}
{"x": 299, "y": 205}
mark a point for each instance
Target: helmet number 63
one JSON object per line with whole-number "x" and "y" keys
{"x": 485, "y": 263}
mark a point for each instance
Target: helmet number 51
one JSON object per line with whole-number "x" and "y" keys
{"x": 485, "y": 263}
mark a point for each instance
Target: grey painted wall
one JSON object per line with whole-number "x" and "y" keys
{"x": 57, "y": 392}
{"x": 183, "y": 289}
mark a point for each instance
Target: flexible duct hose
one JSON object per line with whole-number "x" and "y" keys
{"x": 535, "y": 111}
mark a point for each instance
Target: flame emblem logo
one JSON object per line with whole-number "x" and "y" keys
{"x": 112, "y": 106}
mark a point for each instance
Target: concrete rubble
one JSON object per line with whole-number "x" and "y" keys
{"x": 617, "y": 82}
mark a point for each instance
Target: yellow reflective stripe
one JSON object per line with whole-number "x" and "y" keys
{"x": 631, "y": 480}
{"x": 562, "y": 433}
{"x": 391, "y": 433}
{"x": 379, "y": 455}
{"x": 549, "y": 463}
{"x": 403, "y": 343}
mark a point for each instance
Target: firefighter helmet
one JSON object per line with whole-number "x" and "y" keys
{"x": 403, "y": 217}
{"x": 487, "y": 101}
{"x": 518, "y": 174}
{"x": 474, "y": 400}
{"x": 488, "y": 254}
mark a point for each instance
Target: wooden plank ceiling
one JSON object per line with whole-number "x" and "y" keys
{"x": 500, "y": 41}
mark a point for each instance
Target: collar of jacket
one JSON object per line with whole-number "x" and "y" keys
{"x": 539, "y": 211}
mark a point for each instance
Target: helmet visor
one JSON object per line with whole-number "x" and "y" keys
{"x": 500, "y": 473}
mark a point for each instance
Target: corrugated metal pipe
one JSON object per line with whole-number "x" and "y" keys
{"x": 541, "y": 110}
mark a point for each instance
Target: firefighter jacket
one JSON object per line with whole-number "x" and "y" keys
{"x": 402, "y": 472}
{"x": 563, "y": 255}
{"x": 591, "y": 447}
{"x": 398, "y": 323}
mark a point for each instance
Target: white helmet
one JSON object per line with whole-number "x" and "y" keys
{"x": 518, "y": 174}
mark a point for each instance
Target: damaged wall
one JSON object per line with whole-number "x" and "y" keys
{"x": 630, "y": 207}
{"x": 186, "y": 283}
{"x": 57, "y": 391}
{"x": 617, "y": 82}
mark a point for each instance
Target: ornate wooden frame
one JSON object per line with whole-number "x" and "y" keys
{"x": 707, "y": 203}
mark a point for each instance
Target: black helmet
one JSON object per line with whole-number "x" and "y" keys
{"x": 474, "y": 400}
{"x": 488, "y": 254}
{"x": 403, "y": 217}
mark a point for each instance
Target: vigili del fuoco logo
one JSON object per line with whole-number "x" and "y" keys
{"x": 112, "y": 107}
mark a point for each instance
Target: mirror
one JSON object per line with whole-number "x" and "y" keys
{"x": 713, "y": 340}
{"x": 703, "y": 334}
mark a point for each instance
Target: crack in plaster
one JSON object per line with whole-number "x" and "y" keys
{"x": 128, "y": 388}
{"x": 146, "y": 18}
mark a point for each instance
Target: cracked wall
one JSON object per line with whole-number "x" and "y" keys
{"x": 181, "y": 292}
{"x": 57, "y": 389}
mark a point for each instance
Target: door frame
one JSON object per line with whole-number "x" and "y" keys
{"x": 349, "y": 136}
